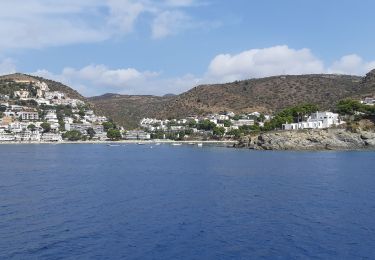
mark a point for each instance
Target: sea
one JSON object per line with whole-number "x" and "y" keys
{"x": 94, "y": 201}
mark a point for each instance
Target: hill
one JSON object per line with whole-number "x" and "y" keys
{"x": 269, "y": 94}
{"x": 53, "y": 85}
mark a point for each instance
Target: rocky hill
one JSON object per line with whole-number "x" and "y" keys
{"x": 264, "y": 95}
{"x": 269, "y": 95}
{"x": 53, "y": 85}
{"x": 328, "y": 139}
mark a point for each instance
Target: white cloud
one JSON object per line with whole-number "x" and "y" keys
{"x": 44, "y": 23}
{"x": 123, "y": 14}
{"x": 257, "y": 63}
{"x": 99, "y": 79}
{"x": 184, "y": 3}
{"x": 36, "y": 23}
{"x": 352, "y": 64}
{"x": 169, "y": 22}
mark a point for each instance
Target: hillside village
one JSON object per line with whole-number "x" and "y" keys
{"x": 31, "y": 112}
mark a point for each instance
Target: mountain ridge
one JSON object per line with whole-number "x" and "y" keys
{"x": 267, "y": 95}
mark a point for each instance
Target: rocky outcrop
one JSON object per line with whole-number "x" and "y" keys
{"x": 328, "y": 139}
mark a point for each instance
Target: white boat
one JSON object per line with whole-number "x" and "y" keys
{"x": 157, "y": 144}
{"x": 176, "y": 144}
{"x": 141, "y": 143}
{"x": 113, "y": 145}
{"x": 200, "y": 144}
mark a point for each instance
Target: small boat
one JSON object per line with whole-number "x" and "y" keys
{"x": 157, "y": 144}
{"x": 200, "y": 144}
{"x": 141, "y": 143}
{"x": 176, "y": 144}
{"x": 112, "y": 145}
{"x": 191, "y": 143}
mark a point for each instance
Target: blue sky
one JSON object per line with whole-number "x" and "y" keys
{"x": 169, "y": 46}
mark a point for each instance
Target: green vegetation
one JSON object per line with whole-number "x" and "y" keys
{"x": 219, "y": 131}
{"x": 31, "y": 127}
{"x": 114, "y": 134}
{"x": 206, "y": 125}
{"x": 227, "y": 123}
{"x": 235, "y": 132}
{"x": 46, "y": 127}
{"x": 350, "y": 107}
{"x": 289, "y": 115}
{"x": 73, "y": 135}
{"x": 108, "y": 125}
{"x": 91, "y": 132}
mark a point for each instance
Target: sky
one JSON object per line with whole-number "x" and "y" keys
{"x": 169, "y": 46}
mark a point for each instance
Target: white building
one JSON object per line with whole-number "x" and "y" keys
{"x": 27, "y": 135}
{"x": 29, "y": 115}
{"x": 256, "y": 114}
{"x": 54, "y": 95}
{"x": 42, "y": 101}
{"x": 6, "y": 137}
{"x": 17, "y": 127}
{"x": 317, "y": 120}
{"x": 51, "y": 117}
{"x": 368, "y": 101}
{"x": 21, "y": 94}
{"x": 221, "y": 117}
{"x": 243, "y": 122}
{"x": 231, "y": 114}
{"x": 137, "y": 135}
{"x": 51, "y": 137}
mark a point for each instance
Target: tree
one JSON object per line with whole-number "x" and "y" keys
{"x": 73, "y": 135}
{"x": 81, "y": 113}
{"x": 46, "y": 127}
{"x": 108, "y": 125}
{"x": 219, "y": 131}
{"x": 114, "y": 134}
{"x": 91, "y": 132}
{"x": 261, "y": 118}
{"x": 31, "y": 127}
{"x": 61, "y": 125}
{"x": 206, "y": 125}
{"x": 227, "y": 123}
{"x": 289, "y": 115}
{"x": 192, "y": 124}
{"x": 235, "y": 132}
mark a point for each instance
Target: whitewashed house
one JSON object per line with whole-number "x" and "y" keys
{"x": 29, "y": 115}
{"x": 242, "y": 122}
{"x": 22, "y": 94}
{"x": 54, "y": 95}
{"x": 318, "y": 120}
{"x": 6, "y": 137}
{"x": 51, "y": 137}
{"x": 368, "y": 101}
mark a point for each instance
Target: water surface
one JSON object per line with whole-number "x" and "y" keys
{"x": 137, "y": 202}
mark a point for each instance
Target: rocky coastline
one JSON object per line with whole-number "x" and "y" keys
{"x": 322, "y": 139}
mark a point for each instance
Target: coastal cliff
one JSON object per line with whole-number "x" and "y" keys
{"x": 327, "y": 139}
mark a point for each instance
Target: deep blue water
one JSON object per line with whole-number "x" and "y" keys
{"x": 134, "y": 202}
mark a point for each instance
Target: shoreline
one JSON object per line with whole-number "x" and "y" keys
{"x": 127, "y": 142}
